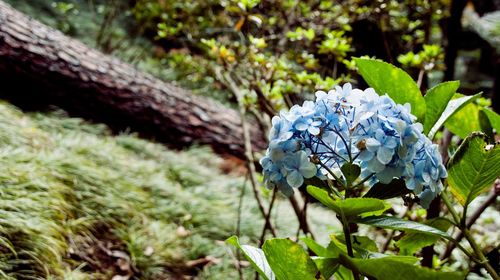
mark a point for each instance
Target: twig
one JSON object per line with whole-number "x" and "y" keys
{"x": 391, "y": 234}
{"x": 481, "y": 259}
{"x": 238, "y": 226}
{"x": 303, "y": 215}
{"x": 492, "y": 197}
{"x": 445, "y": 143}
{"x": 420, "y": 78}
{"x": 248, "y": 146}
{"x": 303, "y": 223}
{"x": 268, "y": 216}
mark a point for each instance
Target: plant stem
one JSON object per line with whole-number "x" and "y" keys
{"x": 347, "y": 237}
{"x": 482, "y": 260}
{"x": 470, "y": 221}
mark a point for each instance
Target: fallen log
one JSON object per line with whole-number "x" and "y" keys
{"x": 42, "y": 66}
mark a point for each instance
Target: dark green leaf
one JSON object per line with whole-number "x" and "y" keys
{"x": 318, "y": 249}
{"x": 460, "y": 116}
{"x": 344, "y": 273}
{"x": 288, "y": 260}
{"x": 436, "y": 100}
{"x": 358, "y": 241}
{"x": 494, "y": 119}
{"x": 391, "y": 222}
{"x": 364, "y": 248}
{"x": 414, "y": 241}
{"x": 395, "y": 188}
{"x": 351, "y": 172}
{"x": 473, "y": 168}
{"x": 351, "y": 206}
{"x": 397, "y": 269}
{"x": 387, "y": 78}
{"x": 256, "y": 258}
{"x": 485, "y": 124}
{"x": 327, "y": 266}
{"x": 322, "y": 196}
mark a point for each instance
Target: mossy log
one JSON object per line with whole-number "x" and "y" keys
{"x": 40, "y": 66}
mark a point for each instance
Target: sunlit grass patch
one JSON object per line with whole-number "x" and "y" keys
{"x": 79, "y": 203}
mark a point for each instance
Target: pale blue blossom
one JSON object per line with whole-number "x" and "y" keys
{"x": 351, "y": 125}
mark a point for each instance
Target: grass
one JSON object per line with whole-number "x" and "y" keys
{"x": 79, "y": 203}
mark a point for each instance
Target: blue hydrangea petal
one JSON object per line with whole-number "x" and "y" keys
{"x": 372, "y": 144}
{"x": 426, "y": 198}
{"x": 295, "y": 179}
{"x": 384, "y": 155}
{"x": 375, "y": 166}
{"x": 308, "y": 170}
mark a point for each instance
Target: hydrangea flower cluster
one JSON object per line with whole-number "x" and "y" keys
{"x": 351, "y": 125}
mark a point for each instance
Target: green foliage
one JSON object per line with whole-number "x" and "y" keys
{"x": 436, "y": 100}
{"x": 70, "y": 188}
{"x": 461, "y": 115}
{"x": 351, "y": 172}
{"x": 395, "y": 188}
{"x": 255, "y": 256}
{"x": 320, "y": 250}
{"x": 270, "y": 56}
{"x": 473, "y": 168}
{"x": 391, "y": 268}
{"x": 414, "y": 241}
{"x": 428, "y": 59}
{"x": 327, "y": 266}
{"x": 388, "y": 79}
{"x": 288, "y": 260}
{"x": 391, "y": 222}
{"x": 350, "y": 207}
{"x": 350, "y": 254}
{"x": 493, "y": 118}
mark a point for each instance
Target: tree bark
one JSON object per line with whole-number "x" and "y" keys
{"x": 40, "y": 65}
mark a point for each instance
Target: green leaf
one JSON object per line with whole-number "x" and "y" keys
{"x": 322, "y": 196}
{"x": 327, "y": 266}
{"x": 414, "y": 241}
{"x": 396, "y": 269}
{"x": 387, "y": 78}
{"x": 319, "y": 249}
{"x": 473, "y": 169}
{"x": 256, "y": 258}
{"x": 358, "y": 242}
{"x": 494, "y": 119}
{"x": 436, "y": 100}
{"x": 485, "y": 124}
{"x": 364, "y": 248}
{"x": 350, "y": 206}
{"x": 351, "y": 172}
{"x": 395, "y": 188}
{"x": 391, "y": 222}
{"x": 344, "y": 273}
{"x": 288, "y": 260}
{"x": 460, "y": 116}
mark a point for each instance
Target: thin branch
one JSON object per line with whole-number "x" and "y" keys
{"x": 478, "y": 256}
{"x": 391, "y": 234}
{"x": 492, "y": 197}
{"x": 420, "y": 78}
{"x": 303, "y": 223}
{"x": 248, "y": 146}
{"x": 238, "y": 226}
{"x": 268, "y": 216}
